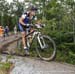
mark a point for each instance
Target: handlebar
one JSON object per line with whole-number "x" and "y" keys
{"x": 38, "y": 26}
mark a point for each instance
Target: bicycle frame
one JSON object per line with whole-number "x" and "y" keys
{"x": 36, "y": 34}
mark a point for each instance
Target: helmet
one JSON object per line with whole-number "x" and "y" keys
{"x": 33, "y": 8}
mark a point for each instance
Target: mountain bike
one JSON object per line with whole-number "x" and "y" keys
{"x": 44, "y": 45}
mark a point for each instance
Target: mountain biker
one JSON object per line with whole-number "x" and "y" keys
{"x": 24, "y": 21}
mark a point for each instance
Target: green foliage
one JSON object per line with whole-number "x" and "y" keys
{"x": 5, "y": 66}
{"x": 60, "y": 26}
{"x": 63, "y": 39}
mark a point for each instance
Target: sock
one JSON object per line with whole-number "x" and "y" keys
{"x": 25, "y": 47}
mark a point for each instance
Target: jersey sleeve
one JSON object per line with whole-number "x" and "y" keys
{"x": 23, "y": 16}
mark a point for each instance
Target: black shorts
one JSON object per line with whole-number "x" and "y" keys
{"x": 23, "y": 28}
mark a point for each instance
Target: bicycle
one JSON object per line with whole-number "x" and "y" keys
{"x": 44, "y": 45}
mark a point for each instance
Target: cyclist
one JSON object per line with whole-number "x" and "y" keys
{"x": 1, "y": 31}
{"x": 24, "y": 21}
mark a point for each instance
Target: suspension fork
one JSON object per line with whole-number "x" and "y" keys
{"x": 41, "y": 43}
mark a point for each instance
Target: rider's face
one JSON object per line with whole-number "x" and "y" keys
{"x": 33, "y": 13}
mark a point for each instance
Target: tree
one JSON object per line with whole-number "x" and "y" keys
{"x": 4, "y": 7}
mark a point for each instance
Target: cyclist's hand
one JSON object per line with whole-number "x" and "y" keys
{"x": 27, "y": 25}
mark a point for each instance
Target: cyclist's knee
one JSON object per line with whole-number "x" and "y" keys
{"x": 23, "y": 34}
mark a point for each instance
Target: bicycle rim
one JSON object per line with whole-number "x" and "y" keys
{"x": 19, "y": 45}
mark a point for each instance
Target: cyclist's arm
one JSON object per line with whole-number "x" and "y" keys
{"x": 21, "y": 20}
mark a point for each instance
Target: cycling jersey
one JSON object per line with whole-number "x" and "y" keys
{"x": 26, "y": 20}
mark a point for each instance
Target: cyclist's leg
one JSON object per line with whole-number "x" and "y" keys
{"x": 23, "y": 39}
{"x": 23, "y": 33}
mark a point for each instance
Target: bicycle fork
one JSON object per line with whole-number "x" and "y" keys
{"x": 41, "y": 42}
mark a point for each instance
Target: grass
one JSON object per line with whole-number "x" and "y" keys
{"x": 5, "y": 67}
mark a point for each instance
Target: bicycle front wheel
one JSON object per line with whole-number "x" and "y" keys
{"x": 47, "y": 49}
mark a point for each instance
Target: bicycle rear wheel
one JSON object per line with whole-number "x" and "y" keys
{"x": 19, "y": 45}
{"x": 48, "y": 50}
